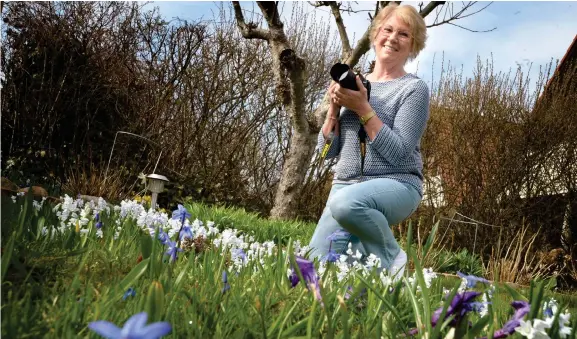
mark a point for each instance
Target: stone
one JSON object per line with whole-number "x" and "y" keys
{"x": 37, "y": 191}
{"x": 9, "y": 185}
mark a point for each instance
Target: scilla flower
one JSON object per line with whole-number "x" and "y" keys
{"x": 134, "y": 328}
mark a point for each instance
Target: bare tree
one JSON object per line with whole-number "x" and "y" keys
{"x": 289, "y": 73}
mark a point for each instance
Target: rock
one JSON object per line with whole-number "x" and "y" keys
{"x": 9, "y": 185}
{"x": 37, "y": 191}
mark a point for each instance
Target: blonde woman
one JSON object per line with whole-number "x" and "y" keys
{"x": 386, "y": 187}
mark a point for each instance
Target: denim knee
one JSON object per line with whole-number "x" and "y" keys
{"x": 342, "y": 209}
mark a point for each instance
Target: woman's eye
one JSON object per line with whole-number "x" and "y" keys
{"x": 404, "y": 34}
{"x": 388, "y": 30}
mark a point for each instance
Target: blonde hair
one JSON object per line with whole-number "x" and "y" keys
{"x": 411, "y": 17}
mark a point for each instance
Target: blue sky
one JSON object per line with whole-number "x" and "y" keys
{"x": 526, "y": 32}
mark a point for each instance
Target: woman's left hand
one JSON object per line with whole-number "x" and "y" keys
{"x": 356, "y": 101}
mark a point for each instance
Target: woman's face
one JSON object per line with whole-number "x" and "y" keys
{"x": 393, "y": 41}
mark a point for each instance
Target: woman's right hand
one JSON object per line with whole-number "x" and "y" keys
{"x": 332, "y": 118}
{"x": 332, "y": 98}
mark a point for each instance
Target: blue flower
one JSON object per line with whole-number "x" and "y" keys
{"x": 180, "y": 214}
{"x": 99, "y": 225}
{"x": 131, "y": 292}
{"x": 172, "y": 250}
{"x": 238, "y": 253}
{"x": 97, "y": 217}
{"x": 338, "y": 234}
{"x": 163, "y": 237}
{"x": 332, "y": 256}
{"x": 472, "y": 280}
{"x": 309, "y": 273}
{"x": 225, "y": 282}
{"x": 185, "y": 232}
{"x": 134, "y": 328}
{"x": 335, "y": 235}
{"x": 521, "y": 309}
{"x": 460, "y": 305}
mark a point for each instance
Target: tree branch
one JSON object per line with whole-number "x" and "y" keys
{"x": 270, "y": 11}
{"x": 342, "y": 29}
{"x": 430, "y": 7}
{"x": 363, "y": 46}
{"x": 472, "y": 30}
{"x": 456, "y": 16}
{"x": 250, "y": 30}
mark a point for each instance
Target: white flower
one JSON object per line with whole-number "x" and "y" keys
{"x": 14, "y": 199}
{"x": 535, "y": 330}
{"x": 350, "y": 249}
{"x": 10, "y": 162}
{"x": 385, "y": 278}
{"x": 564, "y": 330}
{"x": 429, "y": 275}
{"x": 483, "y": 309}
{"x": 372, "y": 261}
{"x": 463, "y": 286}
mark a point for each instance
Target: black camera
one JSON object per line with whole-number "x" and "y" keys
{"x": 343, "y": 74}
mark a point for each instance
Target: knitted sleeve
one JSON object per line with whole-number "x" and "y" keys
{"x": 397, "y": 143}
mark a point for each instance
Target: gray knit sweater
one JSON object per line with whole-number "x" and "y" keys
{"x": 402, "y": 105}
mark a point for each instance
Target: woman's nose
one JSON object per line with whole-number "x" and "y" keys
{"x": 394, "y": 36}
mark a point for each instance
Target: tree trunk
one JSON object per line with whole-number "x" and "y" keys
{"x": 293, "y": 175}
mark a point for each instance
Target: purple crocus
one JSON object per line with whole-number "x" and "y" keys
{"x": 134, "y": 328}
{"x": 309, "y": 273}
{"x": 472, "y": 280}
{"x": 226, "y": 286}
{"x": 131, "y": 292}
{"x": 186, "y": 232}
{"x": 180, "y": 214}
{"x": 460, "y": 305}
{"x": 172, "y": 250}
{"x": 521, "y": 309}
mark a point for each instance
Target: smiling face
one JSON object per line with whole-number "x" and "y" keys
{"x": 393, "y": 41}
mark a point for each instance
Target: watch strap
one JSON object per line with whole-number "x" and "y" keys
{"x": 367, "y": 117}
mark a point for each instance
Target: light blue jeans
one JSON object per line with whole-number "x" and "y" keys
{"x": 365, "y": 210}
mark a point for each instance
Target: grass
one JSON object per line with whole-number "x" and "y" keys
{"x": 54, "y": 287}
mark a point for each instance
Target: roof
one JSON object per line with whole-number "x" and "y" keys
{"x": 569, "y": 59}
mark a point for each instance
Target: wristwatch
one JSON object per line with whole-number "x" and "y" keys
{"x": 367, "y": 117}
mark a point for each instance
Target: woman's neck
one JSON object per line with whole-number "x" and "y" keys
{"x": 385, "y": 72}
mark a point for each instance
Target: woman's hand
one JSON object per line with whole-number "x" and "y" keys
{"x": 356, "y": 101}
{"x": 335, "y": 108}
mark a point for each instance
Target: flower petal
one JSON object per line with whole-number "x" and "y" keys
{"x": 337, "y": 234}
{"x": 154, "y": 331}
{"x": 134, "y": 324}
{"x": 105, "y": 329}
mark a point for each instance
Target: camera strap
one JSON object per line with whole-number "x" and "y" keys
{"x": 362, "y": 133}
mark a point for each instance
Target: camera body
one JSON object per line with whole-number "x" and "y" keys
{"x": 343, "y": 74}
